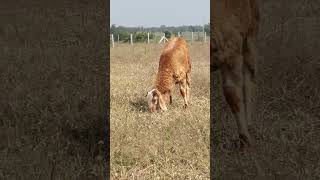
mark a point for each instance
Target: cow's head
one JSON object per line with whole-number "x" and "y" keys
{"x": 156, "y": 101}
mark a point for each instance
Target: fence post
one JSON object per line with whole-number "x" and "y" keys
{"x": 131, "y": 39}
{"x": 112, "y": 40}
{"x": 191, "y": 37}
{"x": 148, "y": 38}
{"x": 164, "y": 36}
{"x": 204, "y": 33}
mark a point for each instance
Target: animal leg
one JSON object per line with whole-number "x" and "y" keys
{"x": 249, "y": 72}
{"x": 183, "y": 92}
{"x": 232, "y": 78}
{"x": 188, "y": 78}
{"x": 248, "y": 95}
{"x": 250, "y": 56}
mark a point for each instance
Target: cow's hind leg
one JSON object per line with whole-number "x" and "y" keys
{"x": 248, "y": 89}
{"x": 250, "y": 56}
{"x": 249, "y": 73}
{"x": 232, "y": 78}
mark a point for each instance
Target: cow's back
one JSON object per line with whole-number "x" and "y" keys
{"x": 240, "y": 14}
{"x": 175, "y": 55}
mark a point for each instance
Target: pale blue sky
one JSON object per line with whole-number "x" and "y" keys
{"x": 153, "y": 13}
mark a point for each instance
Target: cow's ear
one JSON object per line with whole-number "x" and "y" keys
{"x": 156, "y": 91}
{"x": 162, "y": 103}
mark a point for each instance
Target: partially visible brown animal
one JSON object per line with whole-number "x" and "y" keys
{"x": 174, "y": 68}
{"x": 234, "y": 29}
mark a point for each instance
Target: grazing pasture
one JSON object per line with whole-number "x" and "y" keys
{"x": 167, "y": 145}
{"x": 286, "y": 125}
{"x": 53, "y": 90}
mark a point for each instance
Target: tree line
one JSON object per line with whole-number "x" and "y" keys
{"x": 140, "y": 34}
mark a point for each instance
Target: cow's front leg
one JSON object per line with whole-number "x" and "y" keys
{"x": 183, "y": 92}
{"x": 188, "y": 78}
{"x": 232, "y": 78}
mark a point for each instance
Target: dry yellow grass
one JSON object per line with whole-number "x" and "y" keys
{"x": 53, "y": 90}
{"x": 286, "y": 124}
{"x": 168, "y": 145}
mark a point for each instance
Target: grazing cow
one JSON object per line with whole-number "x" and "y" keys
{"x": 174, "y": 68}
{"x": 233, "y": 51}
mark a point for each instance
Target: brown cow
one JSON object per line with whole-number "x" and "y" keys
{"x": 174, "y": 68}
{"x": 233, "y": 51}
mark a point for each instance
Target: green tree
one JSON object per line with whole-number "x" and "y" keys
{"x": 113, "y": 29}
{"x": 141, "y": 37}
{"x": 207, "y": 28}
{"x": 124, "y": 36}
{"x": 167, "y": 34}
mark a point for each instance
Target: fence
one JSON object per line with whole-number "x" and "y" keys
{"x": 159, "y": 37}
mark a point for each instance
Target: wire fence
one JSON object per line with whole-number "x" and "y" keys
{"x": 158, "y": 37}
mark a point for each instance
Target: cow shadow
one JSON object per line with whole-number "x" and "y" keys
{"x": 88, "y": 140}
{"x": 139, "y": 104}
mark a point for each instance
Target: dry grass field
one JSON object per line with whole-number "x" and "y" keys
{"x": 287, "y": 121}
{"x": 169, "y": 145}
{"x": 52, "y": 90}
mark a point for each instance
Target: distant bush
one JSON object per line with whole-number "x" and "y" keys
{"x": 141, "y": 37}
{"x": 124, "y": 36}
{"x": 167, "y": 34}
